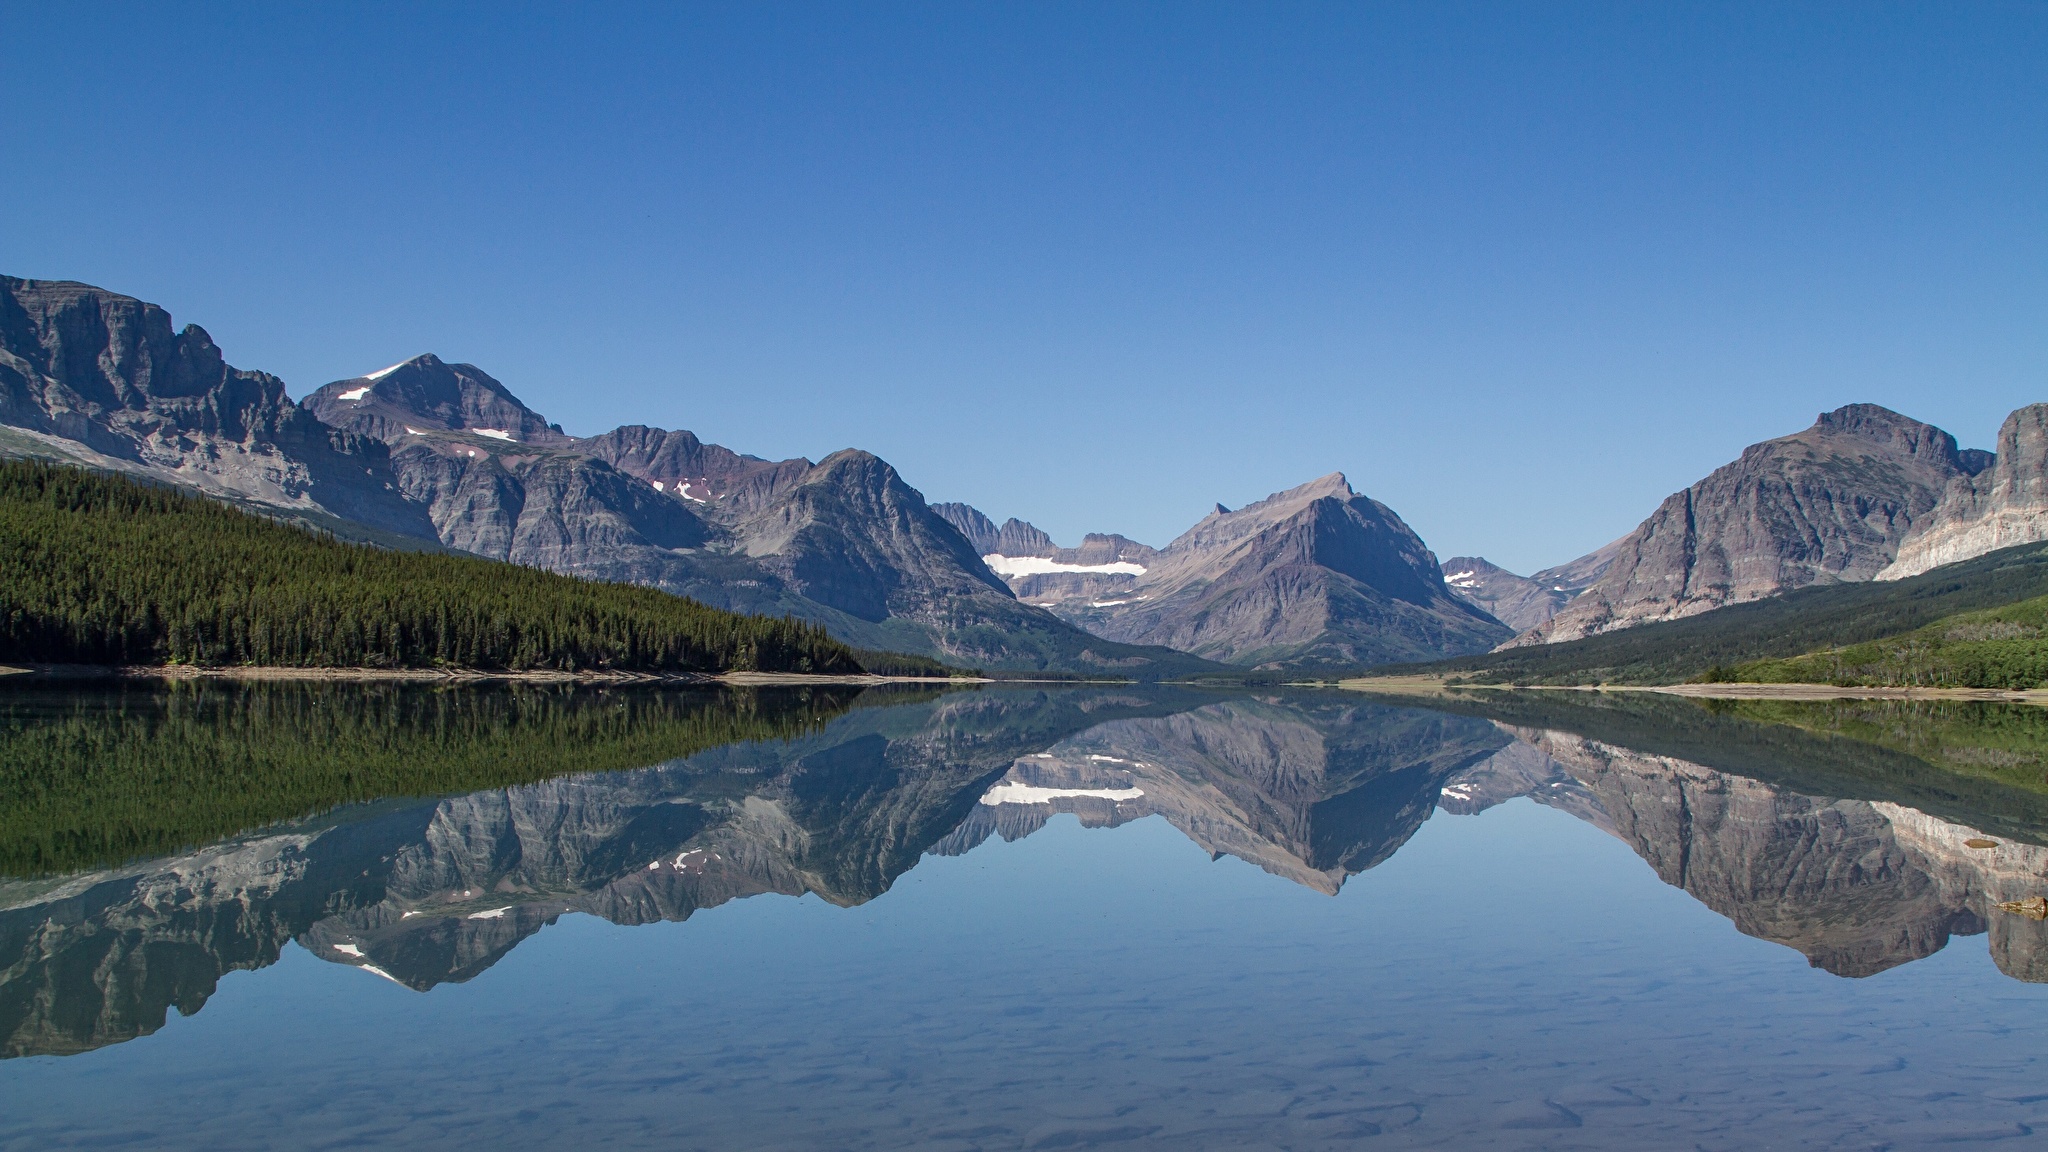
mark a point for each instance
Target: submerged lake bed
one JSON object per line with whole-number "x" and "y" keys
{"x": 1087, "y": 917}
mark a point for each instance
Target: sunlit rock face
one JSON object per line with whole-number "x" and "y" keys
{"x": 1857, "y": 886}
{"x": 95, "y": 378}
{"x": 1828, "y": 505}
{"x": 1318, "y": 575}
{"x": 1998, "y": 507}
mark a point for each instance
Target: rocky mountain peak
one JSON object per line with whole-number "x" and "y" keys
{"x": 679, "y": 463}
{"x": 1022, "y": 538}
{"x": 1999, "y": 506}
{"x": 972, "y": 522}
{"x": 78, "y": 361}
{"x": 1014, "y": 538}
{"x": 1223, "y": 526}
{"x": 96, "y": 378}
{"x": 427, "y": 394}
{"x": 1316, "y": 575}
{"x": 1825, "y": 505}
{"x": 1519, "y": 602}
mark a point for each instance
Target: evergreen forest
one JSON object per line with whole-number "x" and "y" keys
{"x": 100, "y": 569}
{"x": 1715, "y": 645}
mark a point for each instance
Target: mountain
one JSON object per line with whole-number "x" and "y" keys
{"x": 433, "y": 891}
{"x": 843, "y": 542}
{"x": 1014, "y": 538}
{"x": 425, "y": 892}
{"x": 1824, "y": 506}
{"x": 1316, "y": 576}
{"x": 95, "y": 378}
{"x": 101, "y": 569}
{"x": 1993, "y": 507}
{"x": 1045, "y": 574}
{"x": 436, "y": 396}
{"x": 429, "y": 455}
{"x": 1575, "y": 576}
{"x": 1807, "y": 620}
{"x": 1520, "y": 602}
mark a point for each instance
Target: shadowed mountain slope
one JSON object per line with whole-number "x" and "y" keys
{"x": 1827, "y": 505}
{"x": 95, "y": 378}
{"x": 1993, "y": 507}
{"x": 1316, "y": 576}
{"x": 843, "y": 542}
{"x": 1520, "y": 602}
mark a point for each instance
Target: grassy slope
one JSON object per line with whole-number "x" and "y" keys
{"x": 1791, "y": 625}
{"x": 1995, "y": 648}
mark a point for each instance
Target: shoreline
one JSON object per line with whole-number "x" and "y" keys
{"x": 84, "y": 672}
{"x": 1430, "y": 686}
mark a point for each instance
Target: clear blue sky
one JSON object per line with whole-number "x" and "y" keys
{"x": 1520, "y": 270}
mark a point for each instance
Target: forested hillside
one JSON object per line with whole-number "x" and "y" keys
{"x": 1997, "y": 648}
{"x": 97, "y": 569}
{"x": 1794, "y": 624}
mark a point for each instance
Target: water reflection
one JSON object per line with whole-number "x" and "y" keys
{"x": 839, "y": 797}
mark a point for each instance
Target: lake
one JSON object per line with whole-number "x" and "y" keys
{"x": 332, "y": 916}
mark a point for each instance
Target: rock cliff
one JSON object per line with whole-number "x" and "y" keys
{"x": 95, "y": 378}
{"x": 1520, "y": 602}
{"x": 844, "y": 541}
{"x": 1827, "y": 505}
{"x": 1316, "y": 576}
{"x": 2000, "y": 505}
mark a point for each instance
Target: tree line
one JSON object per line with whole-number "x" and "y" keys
{"x": 100, "y": 569}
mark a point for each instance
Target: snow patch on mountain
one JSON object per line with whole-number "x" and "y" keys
{"x": 1003, "y": 565}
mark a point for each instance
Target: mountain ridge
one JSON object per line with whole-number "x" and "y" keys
{"x": 1829, "y": 504}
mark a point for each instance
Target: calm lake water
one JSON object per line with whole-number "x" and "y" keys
{"x": 1016, "y": 919}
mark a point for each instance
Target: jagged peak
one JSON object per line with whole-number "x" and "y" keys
{"x": 431, "y": 393}
{"x": 1322, "y": 487}
{"x": 1880, "y": 425}
{"x": 425, "y": 361}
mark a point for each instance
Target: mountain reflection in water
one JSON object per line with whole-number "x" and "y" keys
{"x": 1312, "y": 787}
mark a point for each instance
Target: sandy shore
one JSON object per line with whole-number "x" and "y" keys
{"x": 445, "y": 675}
{"x": 1432, "y": 686}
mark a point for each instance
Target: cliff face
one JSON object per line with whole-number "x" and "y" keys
{"x": 1520, "y": 602}
{"x": 427, "y": 453}
{"x": 1827, "y": 505}
{"x": 92, "y": 377}
{"x": 844, "y": 542}
{"x": 2001, "y": 505}
{"x": 1314, "y": 576}
{"x": 1014, "y": 538}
